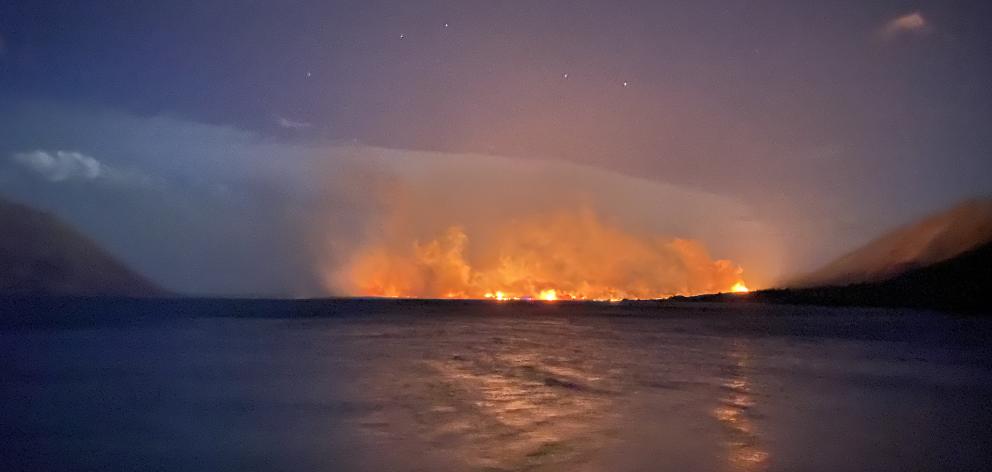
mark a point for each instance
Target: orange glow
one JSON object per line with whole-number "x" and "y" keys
{"x": 562, "y": 256}
{"x": 739, "y": 287}
{"x": 496, "y": 296}
{"x": 549, "y": 295}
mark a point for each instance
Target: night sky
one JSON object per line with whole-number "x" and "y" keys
{"x": 203, "y": 142}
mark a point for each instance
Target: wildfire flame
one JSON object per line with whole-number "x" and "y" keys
{"x": 739, "y": 287}
{"x": 565, "y": 256}
{"x": 498, "y": 295}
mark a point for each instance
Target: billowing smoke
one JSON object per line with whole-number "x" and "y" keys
{"x": 568, "y": 254}
{"x": 476, "y": 226}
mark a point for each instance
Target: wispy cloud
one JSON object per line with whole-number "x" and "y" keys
{"x": 61, "y": 166}
{"x": 910, "y": 23}
{"x": 290, "y": 124}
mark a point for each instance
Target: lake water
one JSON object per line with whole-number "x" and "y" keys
{"x": 435, "y": 386}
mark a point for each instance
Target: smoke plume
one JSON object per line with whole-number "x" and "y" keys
{"x": 446, "y": 226}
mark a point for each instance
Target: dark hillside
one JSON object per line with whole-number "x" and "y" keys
{"x": 40, "y": 255}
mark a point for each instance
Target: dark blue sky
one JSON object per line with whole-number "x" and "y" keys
{"x": 829, "y": 121}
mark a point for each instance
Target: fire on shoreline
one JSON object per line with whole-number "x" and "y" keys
{"x": 564, "y": 256}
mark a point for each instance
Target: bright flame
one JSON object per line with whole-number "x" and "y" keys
{"x": 563, "y": 256}
{"x": 739, "y": 287}
{"x": 498, "y": 295}
{"x": 549, "y": 295}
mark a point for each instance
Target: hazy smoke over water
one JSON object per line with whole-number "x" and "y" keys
{"x": 493, "y": 227}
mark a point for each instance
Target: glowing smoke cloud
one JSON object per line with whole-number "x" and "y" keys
{"x": 566, "y": 255}
{"x": 483, "y": 227}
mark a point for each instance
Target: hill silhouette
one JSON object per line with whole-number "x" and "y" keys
{"x": 936, "y": 238}
{"x": 962, "y": 283}
{"x": 942, "y": 262}
{"x": 41, "y": 255}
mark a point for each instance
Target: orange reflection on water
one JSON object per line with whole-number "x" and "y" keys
{"x": 746, "y": 451}
{"x": 528, "y": 409}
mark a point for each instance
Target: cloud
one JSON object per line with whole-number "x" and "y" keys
{"x": 198, "y": 208}
{"x": 236, "y": 212}
{"x": 290, "y": 124}
{"x": 910, "y": 23}
{"x": 60, "y": 165}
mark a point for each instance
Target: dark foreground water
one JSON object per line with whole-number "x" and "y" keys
{"x": 374, "y": 385}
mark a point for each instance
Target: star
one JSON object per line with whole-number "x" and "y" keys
{"x": 625, "y": 83}
{"x": 445, "y": 25}
{"x": 308, "y": 74}
{"x": 402, "y": 35}
{"x": 565, "y": 75}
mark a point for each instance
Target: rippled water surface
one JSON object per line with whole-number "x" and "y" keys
{"x": 510, "y": 387}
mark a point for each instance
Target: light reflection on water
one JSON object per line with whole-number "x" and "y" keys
{"x": 559, "y": 395}
{"x": 529, "y": 408}
{"x": 746, "y": 450}
{"x": 508, "y": 399}
{"x": 541, "y": 393}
